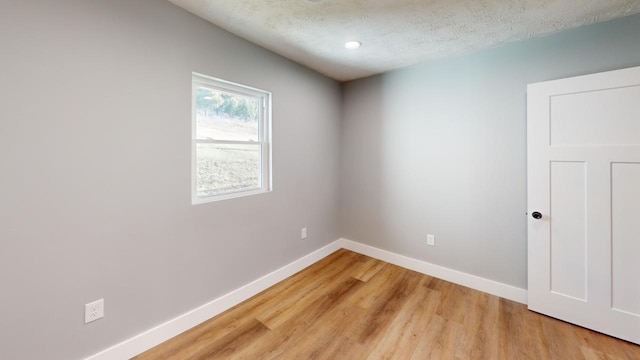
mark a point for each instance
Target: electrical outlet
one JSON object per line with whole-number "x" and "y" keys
{"x": 303, "y": 233}
{"x": 93, "y": 311}
{"x": 431, "y": 240}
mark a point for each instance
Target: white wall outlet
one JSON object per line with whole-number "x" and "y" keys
{"x": 303, "y": 233}
{"x": 431, "y": 240}
{"x": 93, "y": 311}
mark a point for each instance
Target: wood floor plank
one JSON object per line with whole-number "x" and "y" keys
{"x": 614, "y": 347}
{"x": 590, "y": 354}
{"x": 435, "y": 284}
{"x": 370, "y": 293}
{"x": 367, "y": 269}
{"x": 479, "y": 337}
{"x": 225, "y": 347}
{"x": 315, "y": 325}
{"x": 341, "y": 347}
{"x": 314, "y": 296}
{"x": 520, "y": 338}
{"x": 194, "y": 338}
{"x": 321, "y": 339}
{"x": 402, "y": 337}
{"x": 277, "y": 309}
{"x": 385, "y": 308}
{"x": 349, "y": 306}
{"x": 561, "y": 338}
{"x": 439, "y": 340}
{"x": 455, "y": 299}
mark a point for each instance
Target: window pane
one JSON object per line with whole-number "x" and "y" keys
{"x": 226, "y": 168}
{"x": 225, "y": 116}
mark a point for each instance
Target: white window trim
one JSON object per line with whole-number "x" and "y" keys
{"x": 264, "y": 128}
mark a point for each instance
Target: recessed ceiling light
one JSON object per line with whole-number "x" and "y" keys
{"x": 352, "y": 44}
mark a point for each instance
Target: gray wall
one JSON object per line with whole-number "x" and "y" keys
{"x": 441, "y": 148}
{"x": 95, "y": 184}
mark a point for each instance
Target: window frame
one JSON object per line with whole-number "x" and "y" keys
{"x": 264, "y": 137}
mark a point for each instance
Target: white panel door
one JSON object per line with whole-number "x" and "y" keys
{"x": 583, "y": 156}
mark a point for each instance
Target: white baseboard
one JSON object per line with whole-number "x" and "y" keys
{"x": 163, "y": 332}
{"x": 454, "y": 276}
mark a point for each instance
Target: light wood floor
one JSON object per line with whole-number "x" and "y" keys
{"x": 349, "y": 306}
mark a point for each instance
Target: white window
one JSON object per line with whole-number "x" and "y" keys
{"x": 231, "y": 140}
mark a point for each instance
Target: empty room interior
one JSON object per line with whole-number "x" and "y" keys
{"x": 319, "y": 179}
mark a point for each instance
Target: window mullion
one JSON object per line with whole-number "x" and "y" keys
{"x": 227, "y": 142}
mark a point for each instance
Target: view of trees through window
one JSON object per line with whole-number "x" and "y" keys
{"x": 228, "y": 148}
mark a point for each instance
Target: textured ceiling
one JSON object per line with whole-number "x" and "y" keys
{"x": 395, "y": 33}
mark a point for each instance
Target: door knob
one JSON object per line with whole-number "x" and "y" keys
{"x": 536, "y": 215}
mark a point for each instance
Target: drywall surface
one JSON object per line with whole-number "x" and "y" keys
{"x": 95, "y": 142}
{"x": 440, "y": 148}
